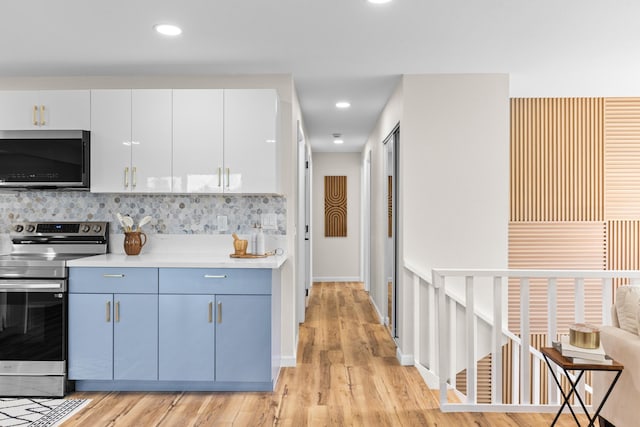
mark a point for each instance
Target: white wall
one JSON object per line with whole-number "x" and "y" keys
{"x": 336, "y": 259}
{"x": 454, "y": 180}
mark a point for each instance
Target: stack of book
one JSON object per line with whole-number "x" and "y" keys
{"x": 579, "y": 355}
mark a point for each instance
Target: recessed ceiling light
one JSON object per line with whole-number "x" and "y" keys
{"x": 379, "y": 1}
{"x": 338, "y": 141}
{"x": 168, "y": 29}
{"x": 343, "y": 104}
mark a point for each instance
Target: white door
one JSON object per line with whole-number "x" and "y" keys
{"x": 151, "y": 123}
{"x": 250, "y": 119}
{"x": 110, "y": 141}
{"x": 197, "y": 140}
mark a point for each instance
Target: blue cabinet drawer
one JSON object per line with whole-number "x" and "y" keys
{"x": 113, "y": 280}
{"x": 215, "y": 281}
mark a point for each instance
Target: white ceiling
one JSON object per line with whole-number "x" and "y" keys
{"x": 335, "y": 49}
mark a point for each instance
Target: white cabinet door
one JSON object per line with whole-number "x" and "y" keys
{"x": 197, "y": 140}
{"x": 47, "y": 109}
{"x": 110, "y": 141}
{"x": 151, "y": 140}
{"x": 250, "y": 147}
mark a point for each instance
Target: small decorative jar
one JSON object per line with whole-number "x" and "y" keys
{"x": 134, "y": 241}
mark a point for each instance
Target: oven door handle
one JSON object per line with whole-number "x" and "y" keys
{"x": 5, "y": 285}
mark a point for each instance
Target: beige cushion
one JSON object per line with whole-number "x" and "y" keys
{"x": 627, "y": 305}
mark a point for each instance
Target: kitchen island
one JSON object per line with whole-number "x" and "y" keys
{"x": 197, "y": 321}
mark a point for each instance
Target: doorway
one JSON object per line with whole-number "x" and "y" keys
{"x": 391, "y": 147}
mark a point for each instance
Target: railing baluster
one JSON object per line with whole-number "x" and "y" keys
{"x": 453, "y": 342}
{"x": 496, "y": 355}
{"x": 579, "y": 299}
{"x": 524, "y": 341}
{"x": 433, "y": 331}
{"x": 443, "y": 331}
{"x": 515, "y": 373}
{"x": 607, "y": 300}
{"x": 552, "y": 330}
{"x": 417, "y": 319}
{"x": 470, "y": 332}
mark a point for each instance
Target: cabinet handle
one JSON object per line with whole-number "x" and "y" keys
{"x": 219, "y": 177}
{"x": 117, "y": 311}
{"x": 134, "y": 180}
{"x": 228, "y": 173}
{"x": 219, "y": 312}
{"x": 113, "y": 276}
{"x": 126, "y": 177}
{"x": 35, "y": 112}
{"x": 210, "y": 312}
{"x": 108, "y": 311}
{"x": 42, "y": 122}
{"x": 213, "y": 276}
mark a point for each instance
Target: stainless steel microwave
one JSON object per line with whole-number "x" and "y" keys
{"x": 45, "y": 159}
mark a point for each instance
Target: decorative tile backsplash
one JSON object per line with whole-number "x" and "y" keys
{"x": 172, "y": 214}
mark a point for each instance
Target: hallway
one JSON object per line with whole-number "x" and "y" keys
{"x": 347, "y": 375}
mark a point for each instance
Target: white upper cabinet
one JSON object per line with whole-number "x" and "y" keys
{"x": 250, "y": 141}
{"x": 45, "y": 109}
{"x": 131, "y": 140}
{"x": 198, "y": 141}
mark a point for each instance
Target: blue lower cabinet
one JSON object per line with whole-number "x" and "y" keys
{"x": 135, "y": 337}
{"x": 243, "y": 338}
{"x": 113, "y": 337}
{"x": 186, "y": 341}
{"x": 90, "y": 336}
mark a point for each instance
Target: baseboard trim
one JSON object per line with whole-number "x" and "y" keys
{"x": 375, "y": 307}
{"x": 288, "y": 362}
{"x": 431, "y": 379}
{"x": 404, "y": 359}
{"x": 337, "y": 279}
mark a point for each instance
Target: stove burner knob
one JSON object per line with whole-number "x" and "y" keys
{"x": 31, "y": 228}
{"x": 18, "y": 228}
{"x": 97, "y": 228}
{"x": 86, "y": 228}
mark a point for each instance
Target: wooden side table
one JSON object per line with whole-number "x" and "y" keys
{"x": 551, "y": 354}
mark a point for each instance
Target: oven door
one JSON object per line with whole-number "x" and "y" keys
{"x": 33, "y": 336}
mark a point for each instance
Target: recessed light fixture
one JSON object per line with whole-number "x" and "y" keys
{"x": 338, "y": 141}
{"x": 379, "y": 1}
{"x": 343, "y": 104}
{"x": 168, "y": 29}
{"x": 337, "y": 138}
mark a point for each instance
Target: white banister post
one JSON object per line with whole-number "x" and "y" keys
{"x": 552, "y": 331}
{"x": 417, "y": 320}
{"x": 470, "y": 332}
{"x": 536, "y": 381}
{"x": 607, "y": 300}
{"x": 433, "y": 330}
{"x": 443, "y": 337}
{"x": 453, "y": 342}
{"x": 579, "y": 299}
{"x": 496, "y": 356}
{"x": 525, "y": 393}
{"x": 515, "y": 373}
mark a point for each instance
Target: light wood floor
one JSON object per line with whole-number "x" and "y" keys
{"x": 347, "y": 375}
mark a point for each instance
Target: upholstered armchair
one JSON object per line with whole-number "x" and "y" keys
{"x": 622, "y": 343}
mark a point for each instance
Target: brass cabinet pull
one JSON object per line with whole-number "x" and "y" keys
{"x": 35, "y": 112}
{"x": 126, "y": 177}
{"x": 210, "y": 312}
{"x": 228, "y": 173}
{"x": 113, "y": 276}
{"x": 215, "y": 276}
{"x": 108, "y": 311}
{"x": 219, "y": 312}
{"x": 133, "y": 180}
{"x": 219, "y": 177}
{"x": 117, "y": 311}
{"x": 42, "y": 122}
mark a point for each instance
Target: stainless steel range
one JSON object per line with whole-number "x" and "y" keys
{"x": 33, "y": 303}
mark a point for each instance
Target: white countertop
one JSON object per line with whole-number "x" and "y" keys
{"x": 183, "y": 251}
{"x": 178, "y": 260}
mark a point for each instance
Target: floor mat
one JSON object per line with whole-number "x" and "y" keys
{"x": 37, "y": 412}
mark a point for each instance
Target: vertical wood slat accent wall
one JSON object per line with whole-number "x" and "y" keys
{"x": 557, "y": 159}
{"x": 622, "y": 158}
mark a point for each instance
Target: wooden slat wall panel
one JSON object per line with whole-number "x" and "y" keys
{"x": 335, "y": 206}
{"x": 555, "y": 245}
{"x": 622, "y": 158}
{"x": 623, "y": 251}
{"x": 483, "y": 370}
{"x": 557, "y": 165}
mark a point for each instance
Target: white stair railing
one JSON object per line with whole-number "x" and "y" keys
{"x": 453, "y": 310}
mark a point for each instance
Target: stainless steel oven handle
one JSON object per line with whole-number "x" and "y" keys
{"x": 30, "y": 286}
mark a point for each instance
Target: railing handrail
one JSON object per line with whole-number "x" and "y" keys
{"x": 538, "y": 273}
